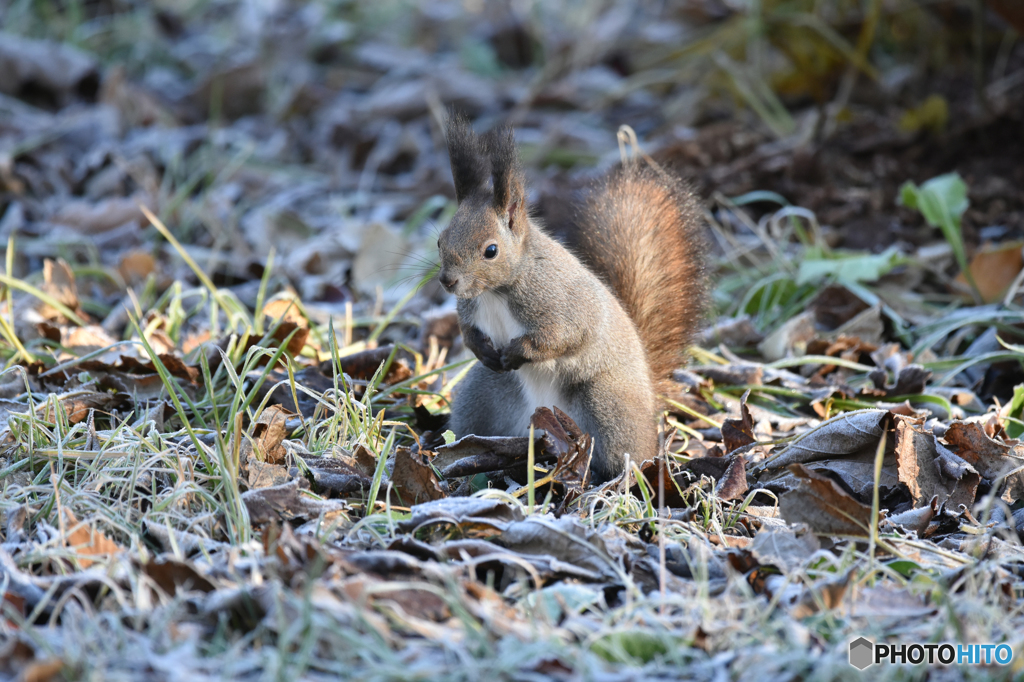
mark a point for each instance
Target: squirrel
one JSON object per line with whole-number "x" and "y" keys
{"x": 596, "y": 334}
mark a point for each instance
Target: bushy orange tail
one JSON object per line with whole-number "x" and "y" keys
{"x": 640, "y": 231}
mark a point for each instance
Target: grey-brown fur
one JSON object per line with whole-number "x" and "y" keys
{"x": 546, "y": 329}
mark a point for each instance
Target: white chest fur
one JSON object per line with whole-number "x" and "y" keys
{"x": 540, "y": 380}
{"x": 495, "y": 319}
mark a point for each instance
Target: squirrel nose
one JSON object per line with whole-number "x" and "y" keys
{"x": 447, "y": 281}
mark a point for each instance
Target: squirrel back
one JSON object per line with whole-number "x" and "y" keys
{"x": 638, "y": 230}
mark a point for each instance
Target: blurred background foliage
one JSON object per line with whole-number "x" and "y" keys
{"x": 315, "y": 127}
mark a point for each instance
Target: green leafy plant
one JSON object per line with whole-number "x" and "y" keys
{"x": 942, "y": 201}
{"x": 848, "y": 269}
{"x": 1014, "y": 425}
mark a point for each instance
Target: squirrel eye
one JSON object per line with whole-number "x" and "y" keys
{"x": 491, "y": 251}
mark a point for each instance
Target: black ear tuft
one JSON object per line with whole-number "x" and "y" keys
{"x": 507, "y": 173}
{"x": 469, "y": 168}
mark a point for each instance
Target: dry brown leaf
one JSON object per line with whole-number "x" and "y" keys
{"x": 281, "y": 393}
{"x": 194, "y": 340}
{"x": 132, "y": 378}
{"x": 842, "y": 346}
{"x": 916, "y": 519}
{"x": 713, "y": 464}
{"x": 739, "y": 432}
{"x": 87, "y": 541}
{"x": 340, "y": 483}
{"x": 136, "y": 105}
{"x": 414, "y": 479}
{"x": 130, "y": 365}
{"x": 298, "y": 340}
{"x": 993, "y": 269}
{"x": 345, "y": 472}
{"x": 473, "y": 453}
{"x": 13, "y": 601}
{"x": 268, "y": 434}
{"x": 732, "y": 332}
{"x": 859, "y": 473}
{"x": 572, "y": 449}
{"x": 842, "y": 435}
{"x": 136, "y": 266}
{"x": 652, "y": 470}
{"x": 733, "y": 483}
{"x": 466, "y": 512}
{"x": 364, "y": 365}
{"x": 565, "y": 539}
{"x": 141, "y": 387}
{"x": 161, "y": 342}
{"x": 915, "y": 460}
{"x": 785, "y": 548}
{"x": 264, "y": 474}
{"x": 421, "y": 603}
{"x": 79, "y": 404}
{"x": 490, "y": 557}
{"x": 557, "y": 438}
{"x": 823, "y": 505}
{"x": 911, "y": 380}
{"x": 86, "y": 339}
{"x": 171, "y": 540}
{"x": 174, "y": 576}
{"x": 285, "y": 502}
{"x": 284, "y": 309}
{"x": 836, "y": 305}
{"x": 989, "y": 457}
{"x": 929, "y": 470}
{"x": 826, "y": 594}
{"x": 361, "y": 459}
{"x": 42, "y": 671}
{"x": 960, "y": 478}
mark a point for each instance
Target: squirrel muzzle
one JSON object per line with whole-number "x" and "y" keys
{"x": 448, "y": 281}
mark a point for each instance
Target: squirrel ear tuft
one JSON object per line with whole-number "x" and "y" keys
{"x": 509, "y": 180}
{"x": 469, "y": 168}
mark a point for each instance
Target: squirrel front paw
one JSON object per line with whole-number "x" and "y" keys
{"x": 489, "y": 356}
{"x": 511, "y": 359}
{"x": 482, "y": 348}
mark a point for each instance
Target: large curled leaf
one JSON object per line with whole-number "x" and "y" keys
{"x": 842, "y": 435}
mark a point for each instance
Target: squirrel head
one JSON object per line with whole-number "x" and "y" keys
{"x": 481, "y": 248}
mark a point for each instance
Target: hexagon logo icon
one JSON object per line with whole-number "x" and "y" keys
{"x": 862, "y": 653}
